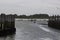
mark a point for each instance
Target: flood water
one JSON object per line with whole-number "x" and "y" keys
{"x": 30, "y": 30}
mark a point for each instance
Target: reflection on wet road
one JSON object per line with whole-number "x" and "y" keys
{"x": 27, "y": 30}
{"x": 30, "y": 31}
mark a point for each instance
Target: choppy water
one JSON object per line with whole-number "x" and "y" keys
{"x": 27, "y": 30}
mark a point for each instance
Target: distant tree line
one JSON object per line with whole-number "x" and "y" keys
{"x": 42, "y": 16}
{"x": 33, "y": 16}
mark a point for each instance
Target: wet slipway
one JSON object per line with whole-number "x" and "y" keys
{"x": 27, "y": 30}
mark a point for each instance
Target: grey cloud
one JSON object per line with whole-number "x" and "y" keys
{"x": 26, "y": 6}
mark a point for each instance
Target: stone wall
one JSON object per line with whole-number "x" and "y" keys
{"x": 7, "y": 21}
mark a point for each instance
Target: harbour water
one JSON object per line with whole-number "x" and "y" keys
{"x": 30, "y": 30}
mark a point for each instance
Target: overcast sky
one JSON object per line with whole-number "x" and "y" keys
{"x": 30, "y": 6}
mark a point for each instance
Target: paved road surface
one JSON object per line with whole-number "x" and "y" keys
{"x": 32, "y": 31}
{"x": 27, "y": 30}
